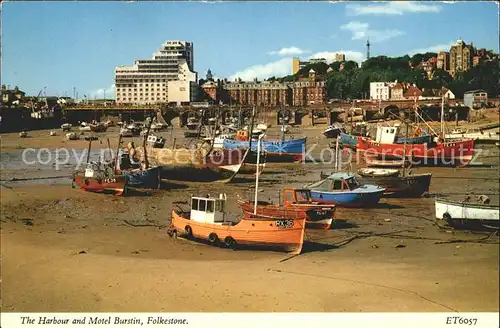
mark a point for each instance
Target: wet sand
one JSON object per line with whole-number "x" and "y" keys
{"x": 67, "y": 250}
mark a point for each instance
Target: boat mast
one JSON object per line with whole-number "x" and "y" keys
{"x": 117, "y": 151}
{"x": 442, "y": 118}
{"x": 257, "y": 175}
{"x": 88, "y": 151}
{"x": 282, "y": 126}
{"x": 337, "y": 154}
{"x": 146, "y": 161}
{"x": 250, "y": 132}
{"x": 404, "y": 149}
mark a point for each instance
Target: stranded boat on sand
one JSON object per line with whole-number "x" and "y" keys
{"x": 297, "y": 204}
{"x": 206, "y": 220}
{"x": 466, "y": 214}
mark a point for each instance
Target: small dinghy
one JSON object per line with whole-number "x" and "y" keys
{"x": 66, "y": 127}
{"x": 467, "y": 214}
{"x": 72, "y": 136}
{"x": 374, "y": 172}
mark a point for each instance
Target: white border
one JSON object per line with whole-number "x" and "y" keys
{"x": 289, "y": 320}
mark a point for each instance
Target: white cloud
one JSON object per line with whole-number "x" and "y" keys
{"x": 289, "y": 51}
{"x": 280, "y": 67}
{"x": 436, "y": 48}
{"x": 392, "y": 8}
{"x": 362, "y": 31}
{"x": 99, "y": 93}
{"x": 283, "y": 66}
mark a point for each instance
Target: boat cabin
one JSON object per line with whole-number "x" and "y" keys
{"x": 337, "y": 182}
{"x": 208, "y": 209}
{"x": 386, "y": 134}
{"x": 296, "y": 196}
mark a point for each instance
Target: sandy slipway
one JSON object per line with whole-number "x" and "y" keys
{"x": 67, "y": 250}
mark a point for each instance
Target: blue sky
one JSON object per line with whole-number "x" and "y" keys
{"x": 62, "y": 45}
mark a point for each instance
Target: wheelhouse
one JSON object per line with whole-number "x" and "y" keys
{"x": 208, "y": 209}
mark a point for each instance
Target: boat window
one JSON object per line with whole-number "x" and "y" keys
{"x": 219, "y": 206}
{"x": 337, "y": 185}
{"x": 210, "y": 206}
{"x": 392, "y": 130}
{"x": 303, "y": 196}
{"x": 202, "y": 204}
{"x": 352, "y": 183}
{"x": 194, "y": 204}
{"x": 289, "y": 197}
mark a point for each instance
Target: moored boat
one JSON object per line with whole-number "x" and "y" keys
{"x": 342, "y": 189}
{"x": 292, "y": 150}
{"x": 441, "y": 153}
{"x": 466, "y": 214}
{"x": 333, "y": 131}
{"x": 97, "y": 178}
{"x": 297, "y": 204}
{"x": 370, "y": 172}
{"x": 201, "y": 164}
{"x": 207, "y": 220}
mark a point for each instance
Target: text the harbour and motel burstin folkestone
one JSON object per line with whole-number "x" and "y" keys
{"x": 168, "y": 77}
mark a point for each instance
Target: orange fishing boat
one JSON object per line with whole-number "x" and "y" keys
{"x": 206, "y": 220}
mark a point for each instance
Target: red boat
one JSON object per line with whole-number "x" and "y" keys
{"x": 92, "y": 180}
{"x": 297, "y": 204}
{"x": 441, "y": 153}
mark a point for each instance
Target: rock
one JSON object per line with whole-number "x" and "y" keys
{"x": 82, "y": 252}
{"x": 400, "y": 246}
{"x": 374, "y": 246}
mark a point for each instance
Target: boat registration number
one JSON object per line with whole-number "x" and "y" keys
{"x": 284, "y": 224}
{"x": 112, "y": 180}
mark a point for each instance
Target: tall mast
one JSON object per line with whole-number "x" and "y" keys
{"x": 404, "y": 149}
{"x": 146, "y": 161}
{"x": 250, "y": 132}
{"x": 442, "y": 118}
{"x": 257, "y": 175}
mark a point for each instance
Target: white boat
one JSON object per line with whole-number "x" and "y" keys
{"x": 85, "y": 128}
{"x": 72, "y": 136}
{"x": 124, "y": 132}
{"x": 66, "y": 127}
{"x": 377, "y": 172}
{"x": 262, "y": 126}
{"x": 461, "y": 213}
{"x": 476, "y": 135}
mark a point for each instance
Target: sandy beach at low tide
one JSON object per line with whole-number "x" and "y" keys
{"x": 67, "y": 250}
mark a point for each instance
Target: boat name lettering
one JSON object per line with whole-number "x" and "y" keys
{"x": 111, "y": 180}
{"x": 284, "y": 224}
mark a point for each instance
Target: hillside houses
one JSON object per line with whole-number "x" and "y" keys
{"x": 404, "y": 91}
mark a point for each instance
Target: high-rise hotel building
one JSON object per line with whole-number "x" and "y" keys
{"x": 166, "y": 78}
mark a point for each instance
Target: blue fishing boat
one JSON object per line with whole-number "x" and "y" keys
{"x": 292, "y": 150}
{"x": 347, "y": 140}
{"x": 342, "y": 189}
{"x": 138, "y": 176}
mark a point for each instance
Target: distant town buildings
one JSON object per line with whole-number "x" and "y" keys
{"x": 475, "y": 99}
{"x": 11, "y": 96}
{"x": 297, "y": 64}
{"x": 168, "y": 77}
{"x": 309, "y": 90}
{"x": 461, "y": 58}
{"x": 340, "y": 57}
{"x": 404, "y": 91}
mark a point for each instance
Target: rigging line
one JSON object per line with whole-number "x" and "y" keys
{"x": 366, "y": 283}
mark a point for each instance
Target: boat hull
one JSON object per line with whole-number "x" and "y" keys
{"x": 273, "y": 233}
{"x": 401, "y": 186}
{"x": 449, "y": 153}
{"x": 467, "y": 214}
{"x": 348, "y": 141}
{"x": 116, "y": 184}
{"x": 148, "y": 178}
{"x": 317, "y": 216}
{"x": 189, "y": 165}
{"x": 347, "y": 198}
{"x": 276, "y": 151}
